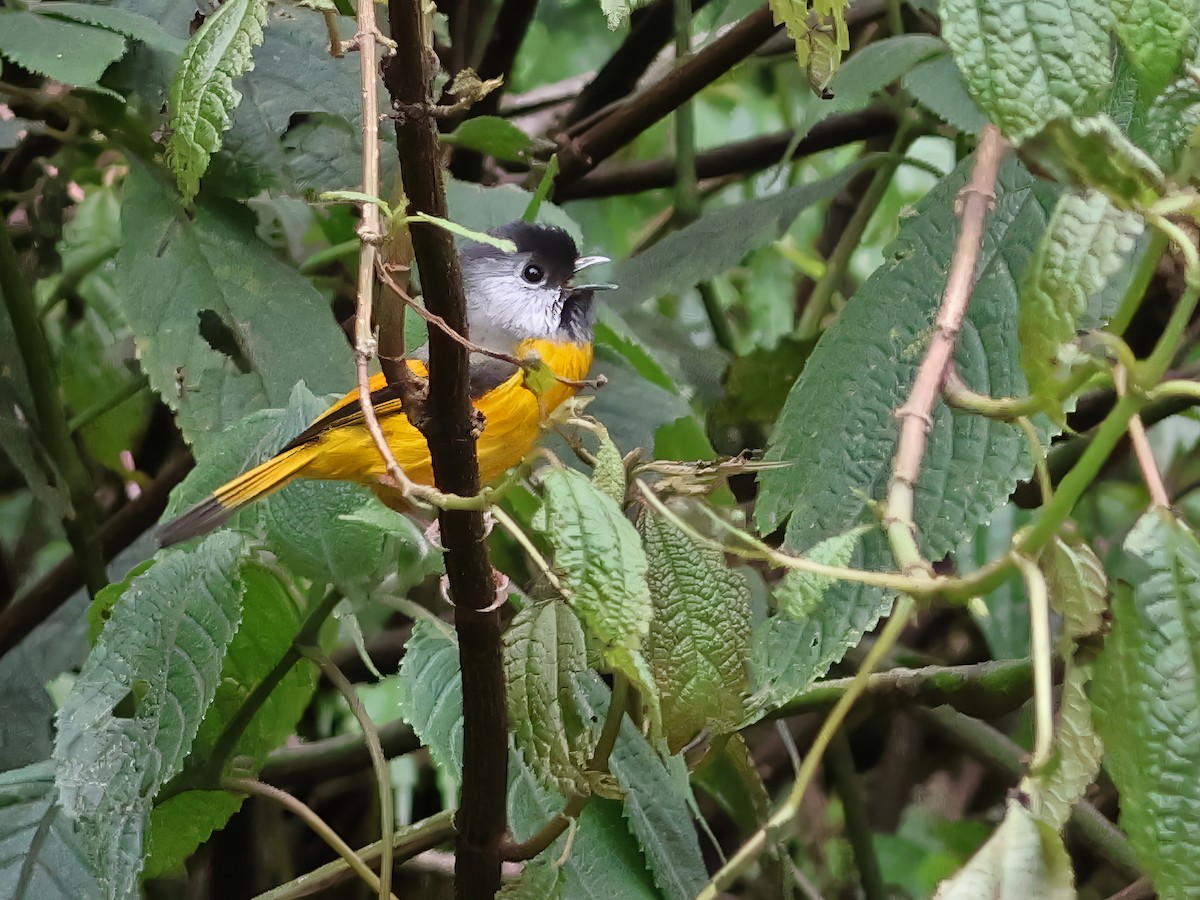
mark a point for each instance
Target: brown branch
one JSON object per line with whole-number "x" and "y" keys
{"x": 325, "y": 759}
{"x": 625, "y": 123}
{"x": 481, "y": 819}
{"x": 58, "y": 585}
{"x": 738, "y": 158}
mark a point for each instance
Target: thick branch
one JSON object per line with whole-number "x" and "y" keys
{"x": 449, "y": 433}
{"x": 738, "y": 158}
{"x": 60, "y": 583}
{"x": 328, "y": 758}
{"x": 614, "y": 131}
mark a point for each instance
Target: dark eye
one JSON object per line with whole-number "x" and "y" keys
{"x": 533, "y": 273}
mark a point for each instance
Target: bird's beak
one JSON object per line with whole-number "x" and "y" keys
{"x": 584, "y": 262}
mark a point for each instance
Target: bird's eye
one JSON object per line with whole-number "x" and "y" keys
{"x": 533, "y": 273}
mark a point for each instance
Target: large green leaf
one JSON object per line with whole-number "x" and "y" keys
{"x": 1086, "y": 242}
{"x": 837, "y": 429}
{"x": 657, "y": 798}
{"x": 601, "y": 566}
{"x": 1147, "y": 702}
{"x": 1171, "y": 122}
{"x": 1029, "y": 61}
{"x": 699, "y": 635}
{"x": 1155, "y": 35}
{"x": 222, "y": 327}
{"x": 202, "y": 95}
{"x": 70, "y": 52}
{"x": 544, "y": 650}
{"x": 136, "y": 707}
{"x": 431, "y": 683}
{"x": 938, "y": 86}
{"x": 1022, "y": 859}
{"x": 41, "y": 857}
{"x": 269, "y": 624}
{"x": 123, "y": 21}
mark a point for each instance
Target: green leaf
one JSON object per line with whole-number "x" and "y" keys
{"x": 202, "y": 97}
{"x": 235, "y": 330}
{"x": 1171, "y": 122}
{"x": 715, "y": 243}
{"x": 877, "y": 65}
{"x": 431, "y": 683}
{"x": 938, "y": 86}
{"x": 1077, "y": 754}
{"x": 539, "y": 880}
{"x": 597, "y": 558}
{"x": 608, "y": 468}
{"x": 1078, "y": 588}
{"x": 41, "y": 856}
{"x": 270, "y": 621}
{"x": 123, "y": 21}
{"x": 1095, "y": 153}
{"x": 1004, "y": 620}
{"x": 544, "y": 651}
{"x": 136, "y": 707}
{"x": 758, "y": 384}
{"x": 807, "y": 635}
{"x": 657, "y": 797}
{"x": 69, "y": 52}
{"x": 1155, "y": 35}
{"x": 1087, "y": 241}
{"x": 837, "y": 428}
{"x": 1146, "y": 696}
{"x": 492, "y": 136}
{"x": 604, "y": 862}
{"x": 1027, "y": 62}
{"x": 1021, "y": 860}
{"x": 730, "y": 777}
{"x": 699, "y": 633}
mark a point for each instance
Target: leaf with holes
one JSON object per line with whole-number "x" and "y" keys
{"x": 1087, "y": 241}
{"x": 136, "y": 707}
{"x": 544, "y": 651}
{"x": 1029, "y": 61}
{"x": 699, "y": 634}
{"x": 41, "y": 856}
{"x": 1146, "y": 696}
{"x": 202, "y": 96}
{"x": 222, "y": 327}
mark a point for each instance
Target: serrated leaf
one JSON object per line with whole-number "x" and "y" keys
{"x": 699, "y": 634}
{"x": 600, "y": 563}
{"x": 806, "y": 636}
{"x": 213, "y": 346}
{"x": 604, "y": 863}
{"x": 492, "y": 136}
{"x": 938, "y": 86}
{"x": 1087, "y": 241}
{"x": 656, "y": 801}
{"x": 40, "y": 855}
{"x": 1078, "y": 587}
{"x": 1021, "y": 860}
{"x": 1171, "y": 122}
{"x": 1155, "y": 35}
{"x": 608, "y": 468}
{"x": 1095, "y": 153}
{"x": 202, "y": 96}
{"x": 1027, "y": 62}
{"x": 270, "y": 621}
{"x": 539, "y": 880}
{"x": 70, "y": 52}
{"x": 1077, "y": 754}
{"x": 431, "y": 683}
{"x": 136, "y": 707}
{"x": 730, "y": 777}
{"x": 128, "y": 22}
{"x": 1147, "y": 703}
{"x": 878, "y": 64}
{"x": 544, "y": 651}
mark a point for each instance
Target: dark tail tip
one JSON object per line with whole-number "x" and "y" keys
{"x": 199, "y": 520}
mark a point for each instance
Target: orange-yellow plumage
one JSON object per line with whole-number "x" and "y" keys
{"x": 513, "y": 418}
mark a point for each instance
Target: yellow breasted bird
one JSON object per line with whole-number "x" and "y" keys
{"x": 518, "y": 303}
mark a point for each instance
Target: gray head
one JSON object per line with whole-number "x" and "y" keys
{"x": 512, "y": 297}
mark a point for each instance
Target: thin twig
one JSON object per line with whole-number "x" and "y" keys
{"x": 312, "y": 820}
{"x": 858, "y": 824}
{"x": 383, "y": 778}
{"x": 1142, "y": 450}
{"x": 1041, "y": 652}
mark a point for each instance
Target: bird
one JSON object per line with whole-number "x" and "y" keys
{"x": 519, "y": 303}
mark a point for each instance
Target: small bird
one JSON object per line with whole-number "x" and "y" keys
{"x": 518, "y": 303}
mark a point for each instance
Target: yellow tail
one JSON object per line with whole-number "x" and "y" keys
{"x": 253, "y": 485}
